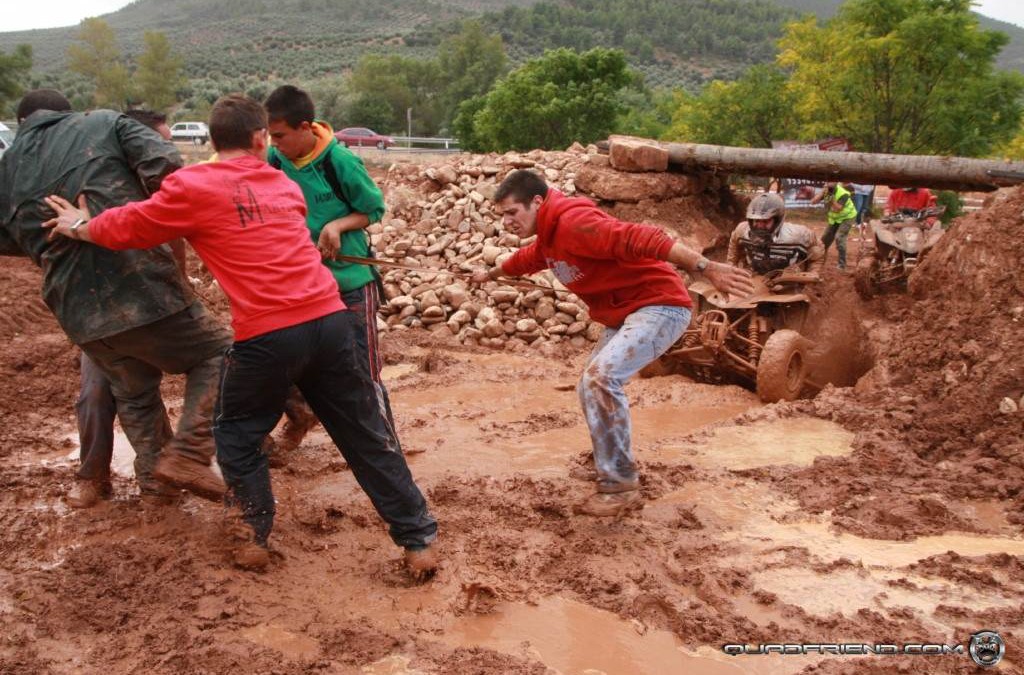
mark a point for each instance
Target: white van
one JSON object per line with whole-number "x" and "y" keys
{"x": 6, "y": 138}
{"x": 197, "y": 132}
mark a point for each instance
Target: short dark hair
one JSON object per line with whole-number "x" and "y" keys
{"x": 150, "y": 118}
{"x": 291, "y": 104}
{"x": 522, "y": 186}
{"x": 233, "y": 118}
{"x": 42, "y": 99}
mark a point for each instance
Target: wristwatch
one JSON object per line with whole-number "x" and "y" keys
{"x": 74, "y": 227}
{"x": 702, "y": 264}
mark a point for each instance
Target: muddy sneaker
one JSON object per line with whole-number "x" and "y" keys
{"x": 612, "y": 487}
{"x": 88, "y": 493}
{"x": 421, "y": 562}
{"x": 178, "y": 471}
{"x": 251, "y": 556}
{"x": 605, "y": 505}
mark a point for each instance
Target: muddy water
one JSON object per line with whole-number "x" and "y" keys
{"x": 292, "y": 645}
{"x": 797, "y": 441}
{"x": 573, "y": 638}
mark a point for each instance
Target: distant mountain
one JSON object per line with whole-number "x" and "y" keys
{"x": 1011, "y": 58}
{"x": 244, "y": 44}
{"x": 234, "y": 43}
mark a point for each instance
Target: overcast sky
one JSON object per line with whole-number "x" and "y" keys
{"x": 26, "y": 14}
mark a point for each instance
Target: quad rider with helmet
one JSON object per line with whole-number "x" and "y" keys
{"x": 765, "y": 243}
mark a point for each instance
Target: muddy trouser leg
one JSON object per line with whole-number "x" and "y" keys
{"x": 96, "y": 409}
{"x": 135, "y": 385}
{"x": 189, "y": 342}
{"x": 340, "y": 388}
{"x": 842, "y": 232}
{"x": 621, "y": 353}
{"x": 364, "y": 303}
{"x": 254, "y": 381}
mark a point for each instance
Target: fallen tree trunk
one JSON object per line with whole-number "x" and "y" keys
{"x": 944, "y": 173}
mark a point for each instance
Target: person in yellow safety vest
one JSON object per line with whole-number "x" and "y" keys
{"x": 841, "y": 213}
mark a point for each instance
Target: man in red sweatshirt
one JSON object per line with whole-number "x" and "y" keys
{"x": 247, "y": 222}
{"x": 622, "y": 271}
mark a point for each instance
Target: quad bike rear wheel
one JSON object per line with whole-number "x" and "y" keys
{"x": 863, "y": 278}
{"x": 782, "y": 369}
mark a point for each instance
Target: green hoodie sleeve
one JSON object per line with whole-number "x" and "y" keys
{"x": 360, "y": 191}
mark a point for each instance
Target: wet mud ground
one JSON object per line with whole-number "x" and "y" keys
{"x": 726, "y": 549}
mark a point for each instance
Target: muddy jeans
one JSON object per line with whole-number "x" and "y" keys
{"x": 620, "y": 353}
{"x": 838, "y": 232}
{"x": 189, "y": 342}
{"x": 95, "y": 409}
{"x": 326, "y": 359}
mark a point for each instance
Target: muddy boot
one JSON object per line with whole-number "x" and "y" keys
{"x": 156, "y": 494}
{"x": 301, "y": 421}
{"x": 246, "y": 553}
{"x": 251, "y": 556}
{"x": 614, "y": 504}
{"x": 178, "y": 471}
{"x": 88, "y": 493}
{"x": 421, "y": 562}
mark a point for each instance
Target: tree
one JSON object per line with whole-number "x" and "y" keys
{"x": 370, "y": 110}
{"x": 13, "y": 73}
{"x": 404, "y": 83}
{"x": 551, "y": 101}
{"x": 750, "y": 112}
{"x": 646, "y": 113}
{"x": 99, "y": 59}
{"x": 470, "y": 62}
{"x": 158, "y": 77}
{"x": 904, "y": 76}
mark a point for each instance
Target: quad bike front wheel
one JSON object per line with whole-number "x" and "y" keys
{"x": 864, "y": 278}
{"x": 782, "y": 368}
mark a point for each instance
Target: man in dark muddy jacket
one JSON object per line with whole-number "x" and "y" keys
{"x": 130, "y": 311}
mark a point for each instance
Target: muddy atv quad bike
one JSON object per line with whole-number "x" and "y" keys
{"x": 754, "y": 340}
{"x": 901, "y": 242}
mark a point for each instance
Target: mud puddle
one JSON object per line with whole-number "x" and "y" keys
{"x": 292, "y": 645}
{"x": 576, "y": 639}
{"x": 797, "y": 441}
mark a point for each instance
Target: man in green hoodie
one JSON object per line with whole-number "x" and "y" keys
{"x": 342, "y": 201}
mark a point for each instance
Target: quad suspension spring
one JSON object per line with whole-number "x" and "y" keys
{"x": 755, "y": 348}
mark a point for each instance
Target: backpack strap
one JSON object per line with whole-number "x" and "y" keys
{"x": 331, "y": 176}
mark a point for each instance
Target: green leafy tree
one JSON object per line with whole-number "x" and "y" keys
{"x": 1014, "y": 148}
{"x": 750, "y": 112}
{"x": 97, "y": 57}
{"x": 463, "y": 126}
{"x": 158, "y": 77}
{"x": 551, "y": 101}
{"x": 905, "y": 76}
{"x": 331, "y": 96}
{"x": 404, "y": 83}
{"x": 470, "y": 62}
{"x": 370, "y": 110}
{"x": 646, "y": 113}
{"x": 14, "y": 69}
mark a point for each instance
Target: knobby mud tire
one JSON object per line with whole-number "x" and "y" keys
{"x": 863, "y": 281}
{"x": 782, "y": 370}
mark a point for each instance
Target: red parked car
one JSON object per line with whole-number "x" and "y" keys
{"x": 363, "y": 137}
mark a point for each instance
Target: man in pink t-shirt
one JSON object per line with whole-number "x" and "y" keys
{"x": 246, "y": 221}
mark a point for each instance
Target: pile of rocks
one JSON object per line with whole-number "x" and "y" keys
{"x": 442, "y": 219}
